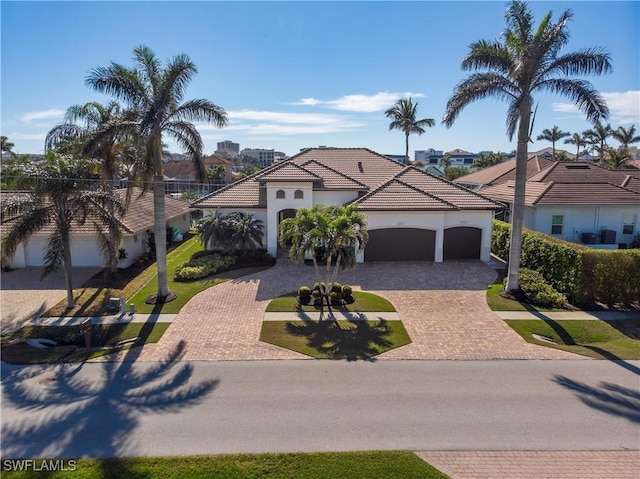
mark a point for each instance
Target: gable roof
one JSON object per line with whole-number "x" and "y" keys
{"x": 581, "y": 172}
{"x": 552, "y": 193}
{"x": 391, "y": 185}
{"x": 504, "y": 171}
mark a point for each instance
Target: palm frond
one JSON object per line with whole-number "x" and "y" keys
{"x": 55, "y": 252}
{"x": 580, "y": 92}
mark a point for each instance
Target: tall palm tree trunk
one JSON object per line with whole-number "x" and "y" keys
{"x": 67, "y": 272}
{"x": 517, "y": 213}
{"x": 160, "y": 234}
{"x": 406, "y": 151}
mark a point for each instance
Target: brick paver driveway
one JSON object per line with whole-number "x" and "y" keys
{"x": 442, "y": 306}
{"x": 23, "y": 296}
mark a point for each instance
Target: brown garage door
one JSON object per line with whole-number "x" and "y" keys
{"x": 400, "y": 244}
{"x": 462, "y": 242}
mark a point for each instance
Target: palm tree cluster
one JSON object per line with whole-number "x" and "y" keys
{"x": 228, "y": 232}
{"x": 330, "y": 234}
{"x": 525, "y": 61}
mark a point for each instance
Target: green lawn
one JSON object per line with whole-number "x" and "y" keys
{"x": 596, "y": 339}
{"x": 347, "y": 465}
{"x": 71, "y": 337}
{"x": 498, "y": 303}
{"x": 336, "y": 339}
{"x": 364, "y": 302}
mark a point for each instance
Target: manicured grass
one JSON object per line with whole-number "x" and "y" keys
{"x": 72, "y": 337}
{"x": 364, "y": 302}
{"x": 596, "y": 339}
{"x": 347, "y": 465}
{"x": 336, "y": 339}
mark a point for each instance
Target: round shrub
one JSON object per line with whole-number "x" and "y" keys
{"x": 537, "y": 291}
{"x": 317, "y": 286}
{"x": 304, "y": 295}
{"x": 347, "y": 290}
{"x": 337, "y": 288}
{"x": 334, "y": 298}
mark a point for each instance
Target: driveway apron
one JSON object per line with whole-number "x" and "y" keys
{"x": 442, "y": 306}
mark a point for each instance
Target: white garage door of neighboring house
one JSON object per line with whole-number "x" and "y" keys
{"x": 462, "y": 242}
{"x": 84, "y": 251}
{"x": 400, "y": 244}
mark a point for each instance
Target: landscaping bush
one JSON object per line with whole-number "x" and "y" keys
{"x": 585, "y": 275}
{"x": 316, "y": 286}
{"x": 537, "y": 291}
{"x": 304, "y": 295}
{"x": 347, "y": 290}
{"x": 202, "y": 267}
{"x": 335, "y": 298}
{"x": 337, "y": 287}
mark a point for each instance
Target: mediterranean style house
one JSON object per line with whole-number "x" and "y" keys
{"x": 411, "y": 215}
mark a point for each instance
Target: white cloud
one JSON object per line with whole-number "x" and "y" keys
{"x": 28, "y": 136}
{"x": 360, "y": 103}
{"x": 624, "y": 107}
{"x": 41, "y": 115}
{"x": 289, "y": 129}
{"x": 284, "y": 117}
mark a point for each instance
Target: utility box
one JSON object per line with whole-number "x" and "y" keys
{"x": 589, "y": 238}
{"x": 607, "y": 237}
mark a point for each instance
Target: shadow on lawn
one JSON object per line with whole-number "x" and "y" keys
{"x": 70, "y": 414}
{"x": 359, "y": 340}
{"x": 607, "y": 397}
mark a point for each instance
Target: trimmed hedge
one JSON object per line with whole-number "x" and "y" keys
{"x": 586, "y": 275}
{"x": 202, "y": 267}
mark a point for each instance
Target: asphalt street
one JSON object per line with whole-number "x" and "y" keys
{"x": 176, "y": 408}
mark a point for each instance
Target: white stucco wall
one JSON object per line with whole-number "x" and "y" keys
{"x": 586, "y": 219}
{"x": 275, "y": 205}
{"x": 333, "y": 197}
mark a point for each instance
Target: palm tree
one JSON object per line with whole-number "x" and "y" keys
{"x": 6, "y": 146}
{"x": 215, "y": 231}
{"x": 617, "y": 157}
{"x": 216, "y": 173}
{"x": 246, "y": 231}
{"x": 489, "y": 159}
{"x": 404, "y": 114}
{"x": 578, "y": 140}
{"x": 60, "y": 201}
{"x": 597, "y": 138}
{"x": 446, "y": 162}
{"x": 338, "y": 231}
{"x": 626, "y": 136}
{"x": 156, "y": 94}
{"x": 525, "y": 62}
{"x": 553, "y": 135}
{"x": 101, "y": 132}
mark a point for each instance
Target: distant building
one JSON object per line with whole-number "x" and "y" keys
{"x": 228, "y": 149}
{"x": 398, "y": 158}
{"x": 430, "y": 156}
{"x": 260, "y": 156}
{"x": 462, "y": 158}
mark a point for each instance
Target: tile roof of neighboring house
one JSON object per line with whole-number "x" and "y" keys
{"x": 504, "y": 171}
{"x": 216, "y": 160}
{"x": 634, "y": 164}
{"x": 553, "y": 193}
{"x": 458, "y": 151}
{"x": 138, "y": 217}
{"x": 579, "y": 172}
{"x": 632, "y": 183}
{"x": 391, "y": 185}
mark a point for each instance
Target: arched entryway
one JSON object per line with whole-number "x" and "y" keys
{"x": 400, "y": 244}
{"x": 462, "y": 242}
{"x": 283, "y": 215}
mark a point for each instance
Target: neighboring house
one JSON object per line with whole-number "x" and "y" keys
{"x": 547, "y": 153}
{"x": 579, "y": 202}
{"x": 502, "y": 172}
{"x": 411, "y": 215}
{"x": 84, "y": 247}
{"x": 181, "y": 175}
{"x": 460, "y": 157}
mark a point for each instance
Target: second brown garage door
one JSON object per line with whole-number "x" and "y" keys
{"x": 462, "y": 242}
{"x": 400, "y": 244}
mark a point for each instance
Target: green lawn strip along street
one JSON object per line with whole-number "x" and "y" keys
{"x": 326, "y": 339}
{"x": 72, "y": 337}
{"x": 347, "y": 465}
{"x": 364, "y": 302}
{"x": 597, "y": 339}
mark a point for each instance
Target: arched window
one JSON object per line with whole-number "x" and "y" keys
{"x": 299, "y": 194}
{"x": 280, "y": 194}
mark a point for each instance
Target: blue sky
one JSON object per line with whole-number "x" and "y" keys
{"x": 294, "y": 75}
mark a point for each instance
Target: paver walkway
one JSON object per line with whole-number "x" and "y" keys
{"x": 442, "y": 306}
{"x": 535, "y": 464}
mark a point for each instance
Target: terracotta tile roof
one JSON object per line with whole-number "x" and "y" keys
{"x": 632, "y": 183}
{"x": 186, "y": 168}
{"x": 216, "y": 160}
{"x": 332, "y": 179}
{"x": 580, "y": 172}
{"x": 138, "y": 217}
{"x": 552, "y": 193}
{"x": 396, "y": 195}
{"x": 352, "y": 169}
{"x": 505, "y": 191}
{"x": 287, "y": 172}
{"x": 504, "y": 171}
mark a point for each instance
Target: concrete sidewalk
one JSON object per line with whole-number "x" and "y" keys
{"x": 332, "y": 316}
{"x": 111, "y": 319}
{"x": 569, "y": 315}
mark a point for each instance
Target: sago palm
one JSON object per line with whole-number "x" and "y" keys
{"x": 526, "y": 61}
{"x": 156, "y": 93}
{"x": 404, "y": 114}
{"x": 553, "y": 135}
